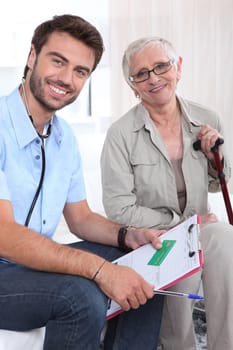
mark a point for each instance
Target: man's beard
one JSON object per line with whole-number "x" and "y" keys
{"x": 37, "y": 91}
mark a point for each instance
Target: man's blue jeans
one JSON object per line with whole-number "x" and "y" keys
{"x": 73, "y": 309}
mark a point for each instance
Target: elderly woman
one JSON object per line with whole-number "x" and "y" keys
{"x": 153, "y": 177}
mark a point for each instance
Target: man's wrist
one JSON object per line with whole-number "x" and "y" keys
{"x": 121, "y": 238}
{"x": 98, "y": 270}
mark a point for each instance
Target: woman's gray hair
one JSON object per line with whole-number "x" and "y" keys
{"x": 142, "y": 43}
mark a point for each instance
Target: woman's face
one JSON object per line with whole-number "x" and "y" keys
{"x": 160, "y": 89}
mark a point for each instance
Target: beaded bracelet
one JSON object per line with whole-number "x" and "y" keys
{"x": 98, "y": 270}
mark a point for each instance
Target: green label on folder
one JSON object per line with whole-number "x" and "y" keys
{"x": 161, "y": 254}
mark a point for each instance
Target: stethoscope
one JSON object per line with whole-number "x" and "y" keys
{"x": 43, "y": 137}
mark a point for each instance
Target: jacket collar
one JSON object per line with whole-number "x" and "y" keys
{"x": 142, "y": 115}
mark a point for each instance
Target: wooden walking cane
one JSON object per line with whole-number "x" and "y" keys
{"x": 221, "y": 175}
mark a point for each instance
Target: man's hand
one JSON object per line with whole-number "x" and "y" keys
{"x": 124, "y": 285}
{"x": 136, "y": 237}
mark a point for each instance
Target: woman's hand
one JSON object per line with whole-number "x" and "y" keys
{"x": 208, "y": 219}
{"x": 208, "y": 136}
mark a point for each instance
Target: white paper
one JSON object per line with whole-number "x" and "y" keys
{"x": 175, "y": 265}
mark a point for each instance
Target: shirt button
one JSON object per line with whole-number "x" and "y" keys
{"x": 37, "y": 141}
{"x": 37, "y": 157}
{"x": 44, "y": 222}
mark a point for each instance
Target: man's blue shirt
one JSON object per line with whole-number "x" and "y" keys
{"x": 21, "y": 163}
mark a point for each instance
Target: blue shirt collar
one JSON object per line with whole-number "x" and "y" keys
{"x": 24, "y": 130}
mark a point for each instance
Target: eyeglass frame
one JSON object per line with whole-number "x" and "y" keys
{"x": 170, "y": 62}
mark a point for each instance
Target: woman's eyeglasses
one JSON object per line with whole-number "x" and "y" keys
{"x": 144, "y": 75}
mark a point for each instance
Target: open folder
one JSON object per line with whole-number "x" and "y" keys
{"x": 179, "y": 257}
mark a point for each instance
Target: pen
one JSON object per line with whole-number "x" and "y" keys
{"x": 179, "y": 294}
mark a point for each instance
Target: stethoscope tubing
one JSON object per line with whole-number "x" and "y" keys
{"x": 39, "y": 185}
{"x": 43, "y": 137}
